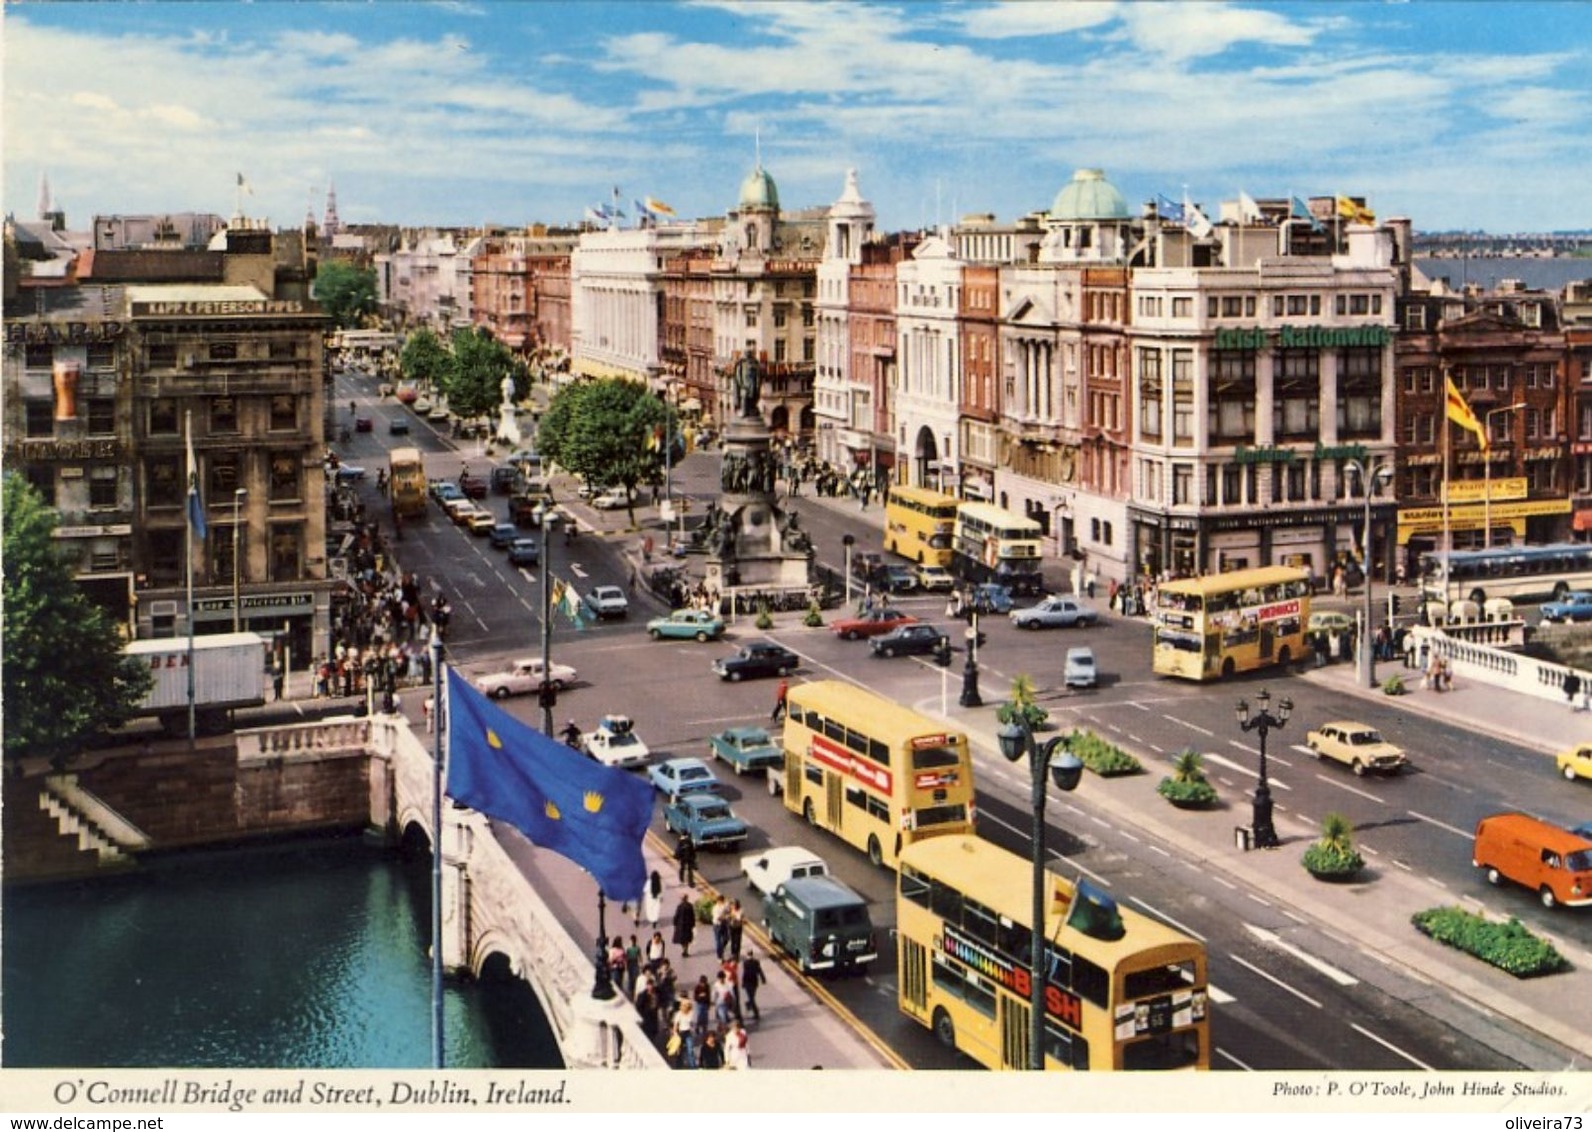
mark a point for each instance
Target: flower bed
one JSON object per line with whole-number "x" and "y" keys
{"x": 1507, "y": 946}
{"x": 1102, "y": 756}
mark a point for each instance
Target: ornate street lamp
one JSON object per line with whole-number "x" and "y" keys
{"x": 970, "y": 696}
{"x": 1016, "y": 740}
{"x": 848, "y": 541}
{"x": 1263, "y": 721}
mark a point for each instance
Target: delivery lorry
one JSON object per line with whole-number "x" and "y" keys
{"x": 229, "y": 671}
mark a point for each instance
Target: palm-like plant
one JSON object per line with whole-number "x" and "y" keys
{"x": 1186, "y": 785}
{"x": 1333, "y": 855}
{"x": 1021, "y": 703}
{"x": 1188, "y": 766}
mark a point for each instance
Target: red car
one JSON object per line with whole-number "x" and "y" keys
{"x": 473, "y": 486}
{"x": 870, "y": 624}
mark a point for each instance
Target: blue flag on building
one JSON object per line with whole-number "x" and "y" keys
{"x": 592, "y": 814}
{"x": 196, "y": 505}
{"x": 1301, "y": 211}
{"x": 1169, "y": 210}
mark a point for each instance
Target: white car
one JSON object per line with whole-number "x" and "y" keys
{"x": 614, "y": 499}
{"x": 525, "y": 676}
{"x": 615, "y": 743}
{"x": 771, "y": 868}
{"x": 608, "y": 601}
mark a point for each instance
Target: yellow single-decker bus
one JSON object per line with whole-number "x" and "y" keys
{"x": 1122, "y": 990}
{"x": 873, "y": 773}
{"x": 406, "y": 482}
{"x": 919, "y": 523}
{"x": 1211, "y": 627}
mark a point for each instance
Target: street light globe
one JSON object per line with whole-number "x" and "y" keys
{"x": 1013, "y": 739}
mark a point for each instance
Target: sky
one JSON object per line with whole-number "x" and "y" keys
{"x": 1459, "y": 115}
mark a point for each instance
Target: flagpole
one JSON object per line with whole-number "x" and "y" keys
{"x": 188, "y": 558}
{"x": 1448, "y": 535}
{"x": 549, "y": 525}
{"x": 437, "y": 718}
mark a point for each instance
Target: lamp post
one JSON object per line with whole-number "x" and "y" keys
{"x": 848, "y": 541}
{"x": 1016, "y": 740}
{"x": 545, "y": 693}
{"x": 1382, "y": 473}
{"x": 1486, "y": 466}
{"x": 970, "y": 696}
{"x": 1263, "y": 721}
{"x": 238, "y": 496}
{"x": 603, "y": 987}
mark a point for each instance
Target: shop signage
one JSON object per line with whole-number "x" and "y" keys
{"x": 1302, "y": 337}
{"x": 1272, "y": 454}
{"x": 32, "y": 451}
{"x": 63, "y": 333}
{"x": 218, "y": 307}
{"x": 275, "y": 603}
{"x": 1475, "y": 491}
{"x": 1429, "y": 520}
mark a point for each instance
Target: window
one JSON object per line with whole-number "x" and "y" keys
{"x": 285, "y": 478}
{"x": 1415, "y": 317}
{"x": 1150, "y": 393}
{"x": 1183, "y": 307}
{"x": 223, "y": 351}
{"x": 102, "y": 487}
{"x": 779, "y": 349}
{"x": 162, "y": 355}
{"x": 101, "y": 355}
{"x": 225, "y": 474}
{"x": 284, "y": 413}
{"x": 1182, "y": 396}
{"x": 163, "y": 481}
{"x": 101, "y": 416}
{"x": 779, "y": 317}
{"x": 220, "y": 546}
{"x": 1296, "y": 397}
{"x": 1298, "y": 304}
{"x": 165, "y": 557}
{"x": 1182, "y": 483}
{"x": 41, "y": 478}
{"x": 285, "y": 543}
{"x": 39, "y": 417}
{"x": 223, "y": 414}
{"x": 1231, "y": 412}
{"x": 163, "y": 417}
{"x": 1360, "y": 393}
{"x": 39, "y": 355}
{"x": 281, "y": 351}
{"x": 1232, "y": 484}
{"x": 751, "y": 317}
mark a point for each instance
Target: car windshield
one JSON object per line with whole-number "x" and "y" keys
{"x": 625, "y": 740}
{"x": 1580, "y": 861}
{"x": 1364, "y": 738}
{"x": 713, "y": 812}
{"x": 691, "y": 772}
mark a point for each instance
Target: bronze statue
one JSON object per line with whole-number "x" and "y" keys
{"x": 746, "y": 378}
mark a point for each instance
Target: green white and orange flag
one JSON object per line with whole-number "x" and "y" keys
{"x": 1459, "y": 412}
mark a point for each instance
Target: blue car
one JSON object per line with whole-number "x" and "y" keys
{"x": 503, "y": 535}
{"x": 524, "y": 552}
{"x": 706, "y": 819}
{"x": 675, "y": 778}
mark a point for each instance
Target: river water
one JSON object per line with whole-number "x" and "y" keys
{"x": 307, "y": 955}
{"x": 1535, "y": 273}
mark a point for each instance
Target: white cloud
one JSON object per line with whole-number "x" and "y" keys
{"x": 1023, "y": 18}
{"x": 1190, "y": 30}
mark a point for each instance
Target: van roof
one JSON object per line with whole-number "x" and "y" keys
{"x": 821, "y": 892}
{"x": 1552, "y": 836}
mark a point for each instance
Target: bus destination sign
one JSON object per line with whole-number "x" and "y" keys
{"x": 1062, "y": 1005}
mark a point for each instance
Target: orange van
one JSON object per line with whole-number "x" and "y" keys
{"x": 1553, "y": 862}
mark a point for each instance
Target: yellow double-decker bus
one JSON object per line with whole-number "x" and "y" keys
{"x": 872, "y": 772}
{"x": 406, "y": 481}
{"x": 1122, "y": 990}
{"x": 919, "y": 523}
{"x": 1211, "y": 627}
{"x": 991, "y": 544}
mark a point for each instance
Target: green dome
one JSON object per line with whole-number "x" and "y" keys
{"x": 1089, "y": 197}
{"x": 758, "y": 190}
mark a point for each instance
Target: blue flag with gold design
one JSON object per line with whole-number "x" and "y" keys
{"x": 594, "y": 815}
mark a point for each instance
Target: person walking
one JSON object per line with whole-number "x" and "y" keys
{"x": 723, "y": 999}
{"x": 711, "y": 1055}
{"x": 684, "y": 924}
{"x": 657, "y": 951}
{"x": 685, "y": 853}
{"x": 681, "y": 1048}
{"x": 701, "y": 1003}
{"x": 735, "y": 928}
{"x": 780, "y": 695}
{"x": 736, "y": 1053}
{"x": 651, "y": 906}
{"x": 632, "y": 966}
{"x": 721, "y": 926}
{"x": 752, "y": 977}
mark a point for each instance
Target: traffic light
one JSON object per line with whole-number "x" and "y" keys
{"x": 547, "y": 696}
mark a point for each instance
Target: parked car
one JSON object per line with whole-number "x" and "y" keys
{"x": 936, "y": 579}
{"x": 502, "y": 535}
{"x": 1357, "y": 744}
{"x": 364, "y": 424}
{"x": 1055, "y": 612}
{"x": 746, "y": 748}
{"x": 687, "y": 624}
{"x": 871, "y": 624}
{"x": 398, "y": 426}
{"x": 523, "y": 677}
{"x": 1573, "y": 606}
{"x": 608, "y": 601}
{"x": 707, "y": 820}
{"x": 524, "y": 552}
{"x": 909, "y": 640}
{"x": 1078, "y": 671}
{"x": 614, "y": 499}
{"x": 615, "y": 743}
{"x": 899, "y": 579}
{"x": 771, "y": 868}
{"x": 675, "y": 777}
{"x": 760, "y": 658}
{"x": 1575, "y": 762}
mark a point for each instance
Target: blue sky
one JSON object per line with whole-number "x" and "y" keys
{"x": 1458, "y": 115}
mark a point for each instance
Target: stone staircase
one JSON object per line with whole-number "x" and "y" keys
{"x": 95, "y": 826}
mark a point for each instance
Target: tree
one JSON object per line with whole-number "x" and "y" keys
{"x": 345, "y": 292}
{"x": 474, "y": 383}
{"x": 66, "y": 677}
{"x": 605, "y": 432}
{"x": 424, "y": 359}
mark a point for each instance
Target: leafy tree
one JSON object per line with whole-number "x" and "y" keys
{"x": 65, "y": 676}
{"x": 474, "y": 383}
{"x": 604, "y": 432}
{"x": 345, "y": 292}
{"x": 425, "y": 359}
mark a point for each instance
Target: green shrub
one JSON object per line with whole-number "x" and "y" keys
{"x": 1394, "y": 685}
{"x": 704, "y": 909}
{"x": 1102, "y": 756}
{"x": 1333, "y": 853}
{"x": 1199, "y": 793}
{"x": 765, "y": 620}
{"x": 1022, "y": 705}
{"x": 1507, "y": 946}
{"x": 815, "y": 616}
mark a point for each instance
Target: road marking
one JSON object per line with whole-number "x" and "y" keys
{"x": 1441, "y": 825}
{"x": 1389, "y": 1045}
{"x": 574, "y": 568}
{"x": 1350, "y": 789}
{"x": 1270, "y": 978}
{"x": 1272, "y": 755}
{"x": 1211, "y": 756}
{"x": 1261, "y": 900}
{"x": 1160, "y": 915}
{"x": 1158, "y": 849}
{"x": 528, "y": 576}
{"x": 1233, "y": 1059}
{"x": 1218, "y": 995}
{"x": 1192, "y": 726}
{"x": 1274, "y": 940}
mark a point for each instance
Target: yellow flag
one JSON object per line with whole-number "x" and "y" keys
{"x": 1459, "y": 412}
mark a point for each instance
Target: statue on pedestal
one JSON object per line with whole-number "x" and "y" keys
{"x": 746, "y": 378}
